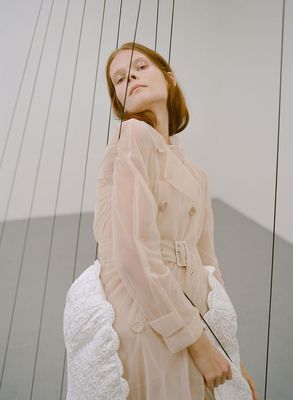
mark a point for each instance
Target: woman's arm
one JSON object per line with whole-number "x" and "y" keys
{"x": 205, "y": 244}
{"x": 136, "y": 243}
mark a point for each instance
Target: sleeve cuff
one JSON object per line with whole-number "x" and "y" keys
{"x": 176, "y": 334}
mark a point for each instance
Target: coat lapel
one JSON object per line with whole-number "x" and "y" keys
{"x": 179, "y": 176}
{"x": 175, "y": 172}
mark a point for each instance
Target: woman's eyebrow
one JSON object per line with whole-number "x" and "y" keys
{"x": 133, "y": 62}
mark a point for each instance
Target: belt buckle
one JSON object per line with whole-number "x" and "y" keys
{"x": 181, "y": 252}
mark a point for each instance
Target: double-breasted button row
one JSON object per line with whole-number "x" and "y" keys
{"x": 137, "y": 326}
{"x": 164, "y": 203}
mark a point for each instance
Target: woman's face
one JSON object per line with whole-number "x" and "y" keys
{"x": 151, "y": 84}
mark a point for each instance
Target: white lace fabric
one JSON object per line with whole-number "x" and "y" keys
{"x": 222, "y": 319}
{"x": 94, "y": 370}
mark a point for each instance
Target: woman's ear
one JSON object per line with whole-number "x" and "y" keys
{"x": 172, "y": 78}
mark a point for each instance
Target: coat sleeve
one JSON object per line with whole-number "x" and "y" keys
{"x": 205, "y": 244}
{"x": 136, "y": 243}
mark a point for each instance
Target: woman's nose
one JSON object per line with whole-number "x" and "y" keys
{"x": 132, "y": 76}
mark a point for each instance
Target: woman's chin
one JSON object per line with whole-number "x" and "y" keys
{"x": 140, "y": 107}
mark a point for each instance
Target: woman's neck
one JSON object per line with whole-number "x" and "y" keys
{"x": 162, "y": 126}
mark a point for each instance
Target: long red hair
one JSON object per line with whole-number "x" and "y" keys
{"x": 177, "y": 110}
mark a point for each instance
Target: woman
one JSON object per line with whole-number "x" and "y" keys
{"x": 154, "y": 228}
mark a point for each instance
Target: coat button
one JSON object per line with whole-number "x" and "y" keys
{"x": 192, "y": 211}
{"x": 137, "y": 326}
{"x": 163, "y": 205}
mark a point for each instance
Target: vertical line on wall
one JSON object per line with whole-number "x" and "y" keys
{"x": 171, "y": 32}
{"x": 21, "y": 84}
{"x": 110, "y": 109}
{"x": 129, "y": 68}
{"x": 19, "y": 274}
{"x": 25, "y": 125}
{"x": 109, "y": 119}
{"x": 275, "y": 202}
{"x": 157, "y": 24}
{"x": 85, "y": 166}
{"x": 59, "y": 182}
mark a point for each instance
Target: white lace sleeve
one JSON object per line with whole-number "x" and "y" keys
{"x": 94, "y": 370}
{"x": 222, "y": 319}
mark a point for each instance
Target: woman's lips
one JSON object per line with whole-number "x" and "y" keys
{"x": 136, "y": 87}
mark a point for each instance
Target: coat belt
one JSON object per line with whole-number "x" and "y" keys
{"x": 179, "y": 251}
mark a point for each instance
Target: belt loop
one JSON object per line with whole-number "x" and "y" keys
{"x": 181, "y": 252}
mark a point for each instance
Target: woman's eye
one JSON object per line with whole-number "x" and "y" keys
{"x": 120, "y": 80}
{"x": 141, "y": 66}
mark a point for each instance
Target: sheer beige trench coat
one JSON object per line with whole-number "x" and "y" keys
{"x": 154, "y": 227}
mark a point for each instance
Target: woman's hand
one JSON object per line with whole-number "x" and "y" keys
{"x": 250, "y": 381}
{"x": 213, "y": 366}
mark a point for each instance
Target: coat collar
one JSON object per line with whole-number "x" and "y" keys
{"x": 160, "y": 141}
{"x": 177, "y": 170}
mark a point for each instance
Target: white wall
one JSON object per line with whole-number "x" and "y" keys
{"x": 226, "y": 56}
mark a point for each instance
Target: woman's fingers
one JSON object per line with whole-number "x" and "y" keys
{"x": 229, "y": 374}
{"x": 226, "y": 375}
{"x": 219, "y": 378}
{"x": 223, "y": 379}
